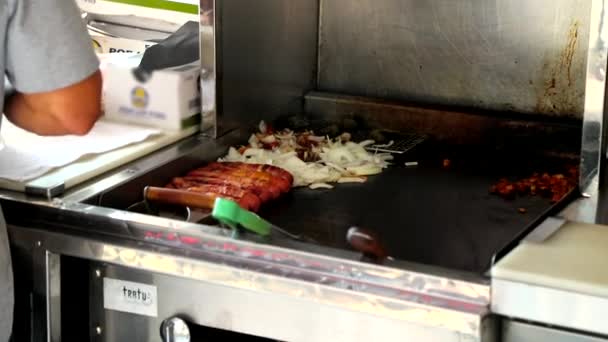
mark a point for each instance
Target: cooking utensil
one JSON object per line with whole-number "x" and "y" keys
{"x": 368, "y": 243}
{"x": 231, "y": 214}
{"x": 223, "y": 210}
{"x": 178, "y": 197}
{"x": 398, "y": 143}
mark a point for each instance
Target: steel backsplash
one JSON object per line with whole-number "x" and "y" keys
{"x": 531, "y": 58}
{"x": 266, "y": 57}
{"x": 504, "y": 55}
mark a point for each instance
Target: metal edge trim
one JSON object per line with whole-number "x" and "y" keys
{"x": 47, "y": 193}
{"x": 545, "y": 230}
{"x": 595, "y": 93}
{"x": 381, "y": 278}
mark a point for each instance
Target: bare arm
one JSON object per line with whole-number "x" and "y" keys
{"x": 70, "y": 110}
{"x": 54, "y": 70}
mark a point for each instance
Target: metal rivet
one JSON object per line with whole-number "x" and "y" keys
{"x": 98, "y": 330}
{"x": 98, "y": 273}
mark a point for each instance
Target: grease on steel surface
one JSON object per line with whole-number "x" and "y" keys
{"x": 560, "y": 94}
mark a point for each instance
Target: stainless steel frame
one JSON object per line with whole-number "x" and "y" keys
{"x": 279, "y": 273}
{"x": 516, "y": 331}
{"x": 547, "y": 306}
{"x": 593, "y": 152}
{"x": 210, "y": 23}
{"x": 252, "y": 286}
{"x": 281, "y": 285}
{"x": 555, "y": 306}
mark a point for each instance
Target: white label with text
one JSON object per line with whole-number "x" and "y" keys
{"x": 126, "y": 296}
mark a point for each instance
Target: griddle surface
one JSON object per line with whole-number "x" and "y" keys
{"x": 427, "y": 214}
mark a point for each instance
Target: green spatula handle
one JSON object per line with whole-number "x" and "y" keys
{"x": 230, "y": 213}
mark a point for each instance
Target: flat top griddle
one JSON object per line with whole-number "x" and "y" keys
{"x": 427, "y": 214}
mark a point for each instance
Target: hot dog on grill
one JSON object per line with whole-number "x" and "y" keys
{"x": 249, "y": 185}
{"x": 270, "y": 186}
{"x": 259, "y": 188}
{"x": 273, "y": 170}
{"x": 275, "y": 185}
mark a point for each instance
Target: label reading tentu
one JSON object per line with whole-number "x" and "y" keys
{"x": 130, "y": 297}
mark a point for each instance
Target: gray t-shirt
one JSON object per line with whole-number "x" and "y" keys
{"x": 44, "y": 46}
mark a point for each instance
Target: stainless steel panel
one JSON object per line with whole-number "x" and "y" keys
{"x": 449, "y": 125}
{"x": 269, "y": 57}
{"x": 53, "y": 295}
{"x": 37, "y": 296}
{"x": 238, "y": 279}
{"x": 513, "y": 331}
{"x": 210, "y": 64}
{"x": 550, "y": 306}
{"x": 593, "y": 144}
{"x": 255, "y": 313}
{"x": 586, "y": 209}
{"x": 545, "y": 229}
{"x": 512, "y": 55}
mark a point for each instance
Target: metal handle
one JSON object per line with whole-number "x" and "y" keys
{"x": 368, "y": 243}
{"x": 175, "y": 329}
{"x": 178, "y": 197}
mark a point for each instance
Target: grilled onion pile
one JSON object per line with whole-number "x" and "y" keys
{"x": 314, "y": 161}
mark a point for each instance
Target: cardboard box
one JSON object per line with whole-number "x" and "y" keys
{"x": 169, "y": 99}
{"x": 104, "y": 44}
{"x": 166, "y": 16}
{"x": 135, "y": 18}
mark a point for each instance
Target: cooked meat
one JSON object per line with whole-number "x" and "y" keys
{"x": 554, "y": 186}
{"x": 446, "y": 163}
{"x": 250, "y": 185}
{"x": 504, "y": 188}
{"x": 276, "y": 184}
{"x": 271, "y": 169}
{"x": 261, "y": 189}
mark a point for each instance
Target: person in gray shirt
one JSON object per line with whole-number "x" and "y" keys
{"x": 48, "y": 58}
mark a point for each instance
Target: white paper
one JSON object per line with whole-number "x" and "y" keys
{"x": 18, "y": 165}
{"x": 26, "y": 156}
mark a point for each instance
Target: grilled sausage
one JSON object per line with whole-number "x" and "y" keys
{"x": 261, "y": 189}
{"x": 275, "y": 186}
{"x": 249, "y": 185}
{"x": 272, "y": 170}
{"x": 258, "y": 188}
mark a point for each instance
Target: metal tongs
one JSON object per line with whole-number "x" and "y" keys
{"x": 227, "y": 212}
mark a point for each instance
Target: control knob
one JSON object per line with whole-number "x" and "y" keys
{"x": 175, "y": 329}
